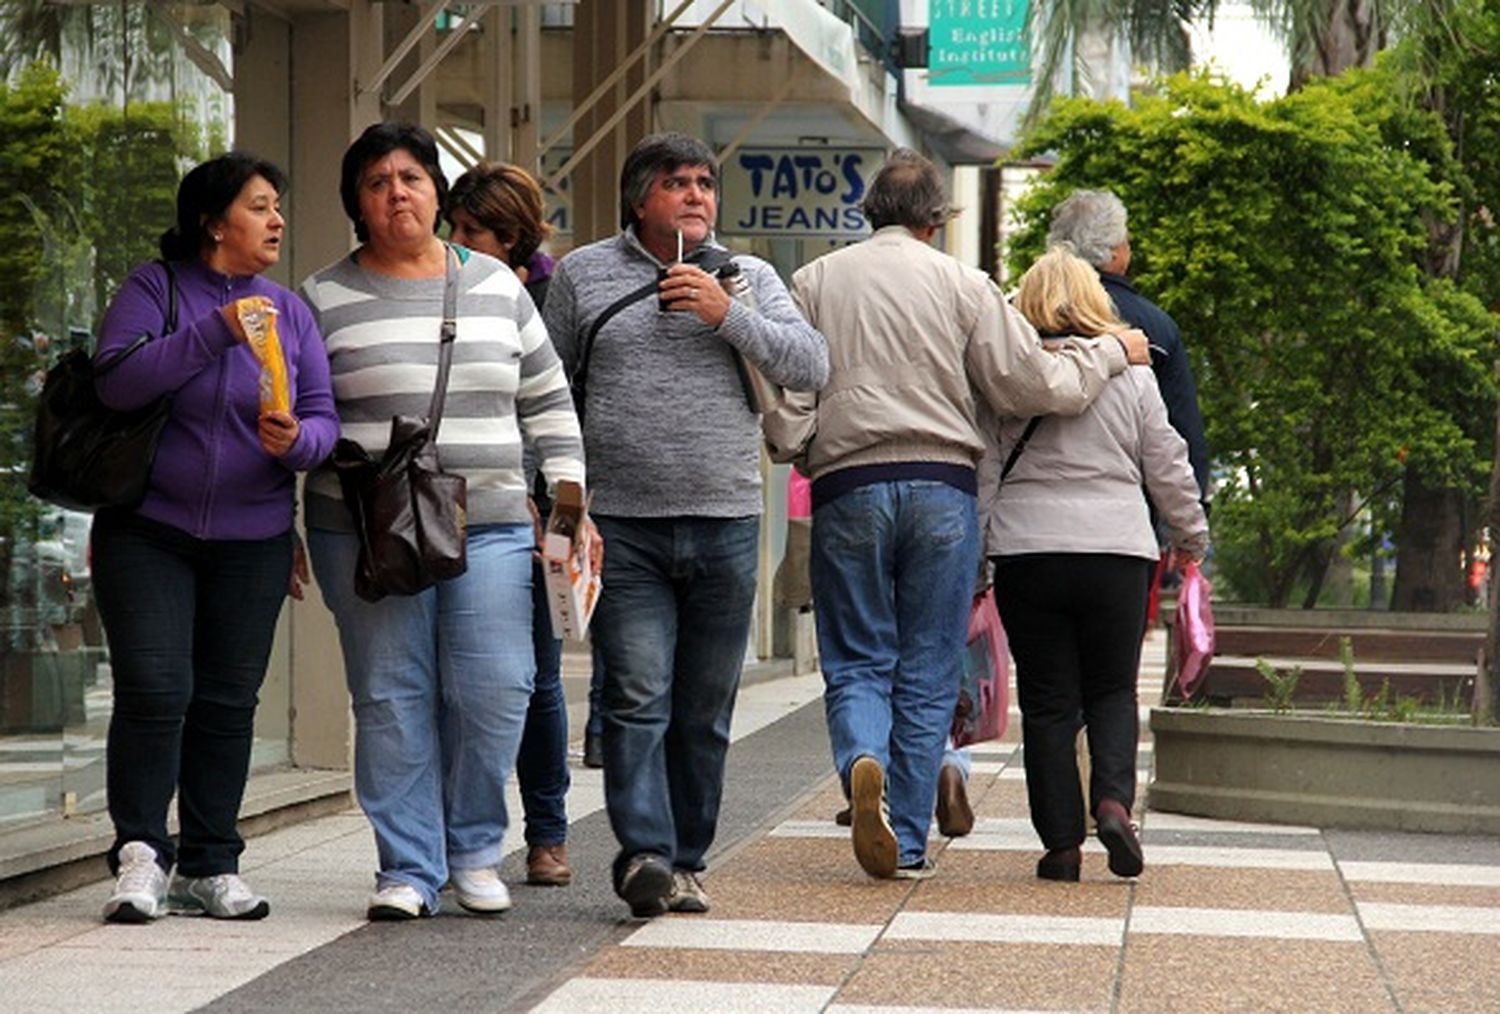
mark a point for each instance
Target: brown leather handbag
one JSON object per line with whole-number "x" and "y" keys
{"x": 410, "y": 515}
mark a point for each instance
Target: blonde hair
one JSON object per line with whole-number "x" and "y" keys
{"x": 1061, "y": 294}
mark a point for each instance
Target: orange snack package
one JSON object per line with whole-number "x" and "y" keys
{"x": 258, "y": 317}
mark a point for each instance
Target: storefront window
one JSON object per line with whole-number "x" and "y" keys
{"x": 102, "y": 108}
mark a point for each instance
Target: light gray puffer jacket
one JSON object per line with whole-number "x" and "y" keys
{"x": 1076, "y": 488}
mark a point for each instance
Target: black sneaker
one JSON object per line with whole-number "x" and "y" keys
{"x": 646, "y": 885}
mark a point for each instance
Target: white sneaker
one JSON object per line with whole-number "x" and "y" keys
{"x": 480, "y": 890}
{"x": 222, "y": 896}
{"x": 140, "y": 887}
{"x": 396, "y": 902}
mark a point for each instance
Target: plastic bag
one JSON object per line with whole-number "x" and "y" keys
{"x": 984, "y": 693}
{"x": 1193, "y": 633}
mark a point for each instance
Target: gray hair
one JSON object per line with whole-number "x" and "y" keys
{"x": 1092, "y": 222}
{"x": 653, "y": 154}
{"x": 907, "y": 190}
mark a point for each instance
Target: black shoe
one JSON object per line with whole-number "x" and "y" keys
{"x": 593, "y": 750}
{"x": 1060, "y": 864}
{"x": 844, "y": 817}
{"x": 1119, "y": 838}
{"x": 646, "y": 885}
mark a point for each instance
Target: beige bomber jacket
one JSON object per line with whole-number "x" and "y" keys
{"x": 914, "y": 337}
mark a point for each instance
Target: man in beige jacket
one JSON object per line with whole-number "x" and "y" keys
{"x": 914, "y": 337}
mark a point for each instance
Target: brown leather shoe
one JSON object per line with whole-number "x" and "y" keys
{"x": 1119, "y": 838}
{"x": 954, "y": 816}
{"x": 547, "y": 866}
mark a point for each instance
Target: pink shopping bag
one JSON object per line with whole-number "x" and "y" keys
{"x": 984, "y": 694}
{"x": 798, "y": 495}
{"x": 1193, "y": 633}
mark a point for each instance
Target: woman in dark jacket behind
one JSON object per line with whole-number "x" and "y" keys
{"x": 191, "y": 581}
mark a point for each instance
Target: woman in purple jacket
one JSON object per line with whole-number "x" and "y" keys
{"x": 190, "y": 581}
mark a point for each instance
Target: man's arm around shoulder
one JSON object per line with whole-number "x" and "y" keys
{"x": 1018, "y": 377}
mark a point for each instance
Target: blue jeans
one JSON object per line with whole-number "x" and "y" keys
{"x": 893, "y": 575}
{"x": 190, "y": 624}
{"x": 542, "y": 764}
{"x": 958, "y": 757}
{"x": 672, "y": 625}
{"x": 440, "y": 682}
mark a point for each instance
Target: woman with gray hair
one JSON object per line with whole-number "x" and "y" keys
{"x": 1094, "y": 224}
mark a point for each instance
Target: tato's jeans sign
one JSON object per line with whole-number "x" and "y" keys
{"x": 797, "y": 192}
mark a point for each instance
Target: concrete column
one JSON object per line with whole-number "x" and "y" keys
{"x": 499, "y": 91}
{"x": 330, "y": 55}
{"x": 263, "y": 99}
{"x": 604, "y": 34}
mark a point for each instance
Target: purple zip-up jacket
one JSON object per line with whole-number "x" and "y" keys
{"x": 211, "y": 477}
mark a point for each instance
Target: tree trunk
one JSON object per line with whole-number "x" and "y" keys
{"x": 1429, "y": 550}
{"x": 1346, "y": 33}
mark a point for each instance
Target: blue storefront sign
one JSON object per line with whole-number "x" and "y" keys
{"x": 978, "y": 42}
{"x": 793, "y": 192}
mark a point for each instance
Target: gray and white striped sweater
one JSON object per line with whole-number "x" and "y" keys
{"x": 382, "y": 339}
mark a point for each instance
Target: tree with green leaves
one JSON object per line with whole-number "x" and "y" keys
{"x": 1444, "y": 52}
{"x": 1285, "y": 237}
{"x": 39, "y": 166}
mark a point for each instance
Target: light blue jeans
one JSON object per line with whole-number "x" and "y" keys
{"x": 440, "y": 683}
{"x": 892, "y": 576}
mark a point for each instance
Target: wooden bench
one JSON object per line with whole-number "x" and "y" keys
{"x": 1433, "y": 658}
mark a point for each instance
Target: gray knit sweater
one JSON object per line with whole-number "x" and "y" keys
{"x": 666, "y": 426}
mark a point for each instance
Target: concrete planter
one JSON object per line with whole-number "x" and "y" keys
{"x": 1326, "y": 772}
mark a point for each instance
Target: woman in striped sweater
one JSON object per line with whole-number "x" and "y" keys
{"x": 440, "y": 680}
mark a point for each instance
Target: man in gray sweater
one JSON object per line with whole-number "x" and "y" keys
{"x": 651, "y": 341}
{"x": 916, "y": 341}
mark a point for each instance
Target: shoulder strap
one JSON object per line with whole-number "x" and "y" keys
{"x": 1015, "y": 452}
{"x": 447, "y": 333}
{"x": 710, "y": 259}
{"x": 169, "y": 325}
{"x": 581, "y": 371}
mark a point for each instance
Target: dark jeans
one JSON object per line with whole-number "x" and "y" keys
{"x": 1074, "y": 623}
{"x": 672, "y": 624}
{"x": 542, "y": 764}
{"x": 190, "y": 624}
{"x": 596, "y": 694}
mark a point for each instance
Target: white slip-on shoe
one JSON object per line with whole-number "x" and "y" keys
{"x": 480, "y": 890}
{"x": 396, "y": 903}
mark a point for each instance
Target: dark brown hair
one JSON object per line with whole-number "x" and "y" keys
{"x": 506, "y": 200}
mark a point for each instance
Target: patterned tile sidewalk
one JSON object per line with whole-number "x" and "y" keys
{"x": 1226, "y": 917}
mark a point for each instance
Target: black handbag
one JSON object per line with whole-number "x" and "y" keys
{"x": 411, "y": 516}
{"x": 86, "y": 455}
